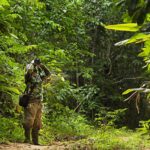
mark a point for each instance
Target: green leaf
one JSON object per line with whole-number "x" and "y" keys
{"x": 137, "y": 38}
{"x": 145, "y": 90}
{"x": 14, "y": 90}
{"x": 14, "y": 16}
{"x": 9, "y": 89}
{"x": 132, "y": 27}
{"x": 140, "y": 37}
{"x": 127, "y": 91}
{"x": 20, "y": 49}
{"x": 13, "y": 35}
{"x": 4, "y": 3}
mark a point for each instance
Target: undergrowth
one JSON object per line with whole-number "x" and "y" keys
{"x": 109, "y": 138}
{"x": 75, "y": 128}
{"x": 10, "y": 130}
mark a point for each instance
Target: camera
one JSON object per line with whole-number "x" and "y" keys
{"x": 37, "y": 61}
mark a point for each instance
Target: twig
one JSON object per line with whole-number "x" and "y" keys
{"x": 137, "y": 99}
{"x": 77, "y": 106}
{"x": 131, "y": 96}
{"x": 134, "y": 78}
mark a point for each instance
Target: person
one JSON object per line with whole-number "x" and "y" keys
{"x": 36, "y": 74}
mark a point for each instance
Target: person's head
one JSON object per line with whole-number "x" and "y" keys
{"x": 37, "y": 61}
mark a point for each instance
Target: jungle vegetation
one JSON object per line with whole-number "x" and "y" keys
{"x": 99, "y": 87}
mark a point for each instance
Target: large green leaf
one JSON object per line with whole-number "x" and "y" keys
{"x": 9, "y": 89}
{"x": 132, "y": 27}
{"x": 140, "y": 37}
{"x": 137, "y": 38}
{"x": 146, "y": 52}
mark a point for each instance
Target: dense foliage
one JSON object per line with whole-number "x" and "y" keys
{"x": 89, "y": 73}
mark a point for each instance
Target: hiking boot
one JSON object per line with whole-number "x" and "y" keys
{"x": 35, "y": 134}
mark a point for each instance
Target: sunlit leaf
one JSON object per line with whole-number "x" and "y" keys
{"x": 121, "y": 42}
{"x": 132, "y": 27}
{"x": 145, "y": 90}
{"x": 140, "y": 37}
{"x": 127, "y": 91}
{"x": 137, "y": 38}
{"x": 14, "y": 36}
{"x": 9, "y": 89}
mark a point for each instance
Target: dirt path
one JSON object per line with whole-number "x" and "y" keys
{"x": 55, "y": 146}
{"x": 22, "y": 146}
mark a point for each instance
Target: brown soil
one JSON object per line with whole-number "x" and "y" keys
{"x": 55, "y": 146}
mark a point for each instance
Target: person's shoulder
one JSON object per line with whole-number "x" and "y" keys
{"x": 29, "y": 67}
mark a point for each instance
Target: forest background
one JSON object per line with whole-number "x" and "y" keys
{"x": 83, "y": 101}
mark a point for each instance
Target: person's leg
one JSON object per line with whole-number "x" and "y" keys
{"x": 29, "y": 116}
{"x": 37, "y": 124}
{"x": 27, "y": 132}
{"x": 35, "y": 136}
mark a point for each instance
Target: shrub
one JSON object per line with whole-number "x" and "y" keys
{"x": 10, "y": 130}
{"x": 66, "y": 124}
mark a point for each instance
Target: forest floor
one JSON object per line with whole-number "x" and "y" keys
{"x": 110, "y": 139}
{"x": 69, "y": 145}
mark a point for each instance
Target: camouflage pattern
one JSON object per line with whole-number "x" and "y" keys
{"x": 34, "y": 83}
{"x": 34, "y": 77}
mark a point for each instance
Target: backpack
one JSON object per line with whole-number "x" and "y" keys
{"x": 24, "y": 100}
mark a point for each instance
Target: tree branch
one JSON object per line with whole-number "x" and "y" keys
{"x": 133, "y": 78}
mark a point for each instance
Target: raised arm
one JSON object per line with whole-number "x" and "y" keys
{"x": 46, "y": 70}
